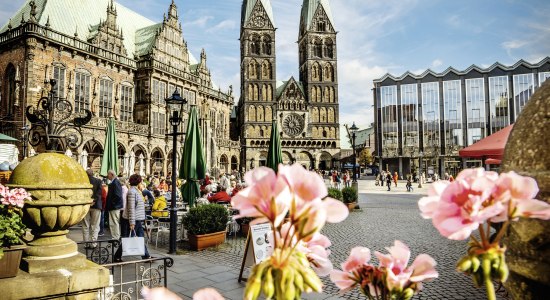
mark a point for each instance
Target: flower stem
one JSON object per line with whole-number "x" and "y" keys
{"x": 482, "y": 235}
{"x": 491, "y": 295}
{"x": 501, "y": 232}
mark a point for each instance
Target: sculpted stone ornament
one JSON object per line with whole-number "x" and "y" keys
{"x": 293, "y": 124}
{"x": 61, "y": 196}
{"x": 528, "y": 240}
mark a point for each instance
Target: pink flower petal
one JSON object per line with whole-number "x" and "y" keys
{"x": 359, "y": 256}
{"x": 207, "y": 294}
{"x": 342, "y": 280}
{"x": 336, "y": 210}
{"x": 533, "y": 208}
{"x": 423, "y": 268}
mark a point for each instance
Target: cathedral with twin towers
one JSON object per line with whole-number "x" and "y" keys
{"x": 305, "y": 108}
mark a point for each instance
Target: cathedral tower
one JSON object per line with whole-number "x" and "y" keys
{"x": 318, "y": 67}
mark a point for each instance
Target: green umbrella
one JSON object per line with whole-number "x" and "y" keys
{"x": 193, "y": 167}
{"x": 274, "y": 155}
{"x": 109, "y": 161}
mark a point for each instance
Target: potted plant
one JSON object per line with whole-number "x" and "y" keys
{"x": 12, "y": 230}
{"x": 350, "y": 196}
{"x": 206, "y": 225}
{"x": 335, "y": 193}
{"x": 245, "y": 224}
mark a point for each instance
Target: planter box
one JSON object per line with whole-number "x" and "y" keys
{"x": 200, "y": 242}
{"x": 9, "y": 264}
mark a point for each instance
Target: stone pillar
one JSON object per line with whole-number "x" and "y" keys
{"x": 52, "y": 265}
{"x": 528, "y": 240}
{"x": 400, "y": 166}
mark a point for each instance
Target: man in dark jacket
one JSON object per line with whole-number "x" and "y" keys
{"x": 90, "y": 223}
{"x": 114, "y": 204}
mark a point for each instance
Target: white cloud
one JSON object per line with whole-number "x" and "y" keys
{"x": 200, "y": 22}
{"x": 437, "y": 63}
{"x": 223, "y": 25}
{"x": 515, "y": 44}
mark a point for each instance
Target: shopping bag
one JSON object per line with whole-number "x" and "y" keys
{"x": 133, "y": 245}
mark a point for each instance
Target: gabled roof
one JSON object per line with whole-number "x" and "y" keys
{"x": 309, "y": 7}
{"x": 281, "y": 86}
{"x": 248, "y": 7}
{"x": 83, "y": 16}
{"x": 468, "y": 70}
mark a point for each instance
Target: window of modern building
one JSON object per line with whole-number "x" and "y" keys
{"x": 409, "y": 109}
{"x": 452, "y": 110}
{"x": 390, "y": 131}
{"x": 105, "y": 98}
{"x": 523, "y": 89}
{"x": 430, "y": 116}
{"x": 59, "y": 76}
{"x": 81, "y": 91}
{"x": 475, "y": 109}
{"x": 542, "y": 77}
{"x": 498, "y": 103}
{"x": 126, "y": 104}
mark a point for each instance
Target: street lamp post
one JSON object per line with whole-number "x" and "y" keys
{"x": 353, "y": 129}
{"x": 175, "y": 104}
{"x": 420, "y": 177}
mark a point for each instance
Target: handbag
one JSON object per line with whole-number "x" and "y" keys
{"x": 133, "y": 246}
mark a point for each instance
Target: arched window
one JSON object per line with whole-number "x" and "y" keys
{"x": 256, "y": 92}
{"x": 332, "y": 97}
{"x": 266, "y": 70}
{"x": 252, "y": 72}
{"x": 266, "y": 45}
{"x": 313, "y": 94}
{"x": 269, "y": 93}
{"x": 323, "y": 115}
{"x": 327, "y": 73}
{"x": 8, "y": 98}
{"x": 319, "y": 94}
{"x": 329, "y": 48}
{"x": 321, "y": 26}
{"x": 317, "y": 48}
{"x": 250, "y": 91}
{"x": 252, "y": 113}
{"x": 325, "y": 133}
{"x": 260, "y": 114}
{"x": 315, "y": 114}
{"x": 330, "y": 115}
{"x": 316, "y": 71}
{"x": 314, "y": 132}
{"x": 255, "y": 45}
{"x": 264, "y": 92}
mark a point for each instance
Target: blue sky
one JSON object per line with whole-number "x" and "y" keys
{"x": 375, "y": 37}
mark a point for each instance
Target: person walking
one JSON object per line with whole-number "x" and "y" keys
{"x": 409, "y": 183}
{"x": 104, "y": 189}
{"x": 345, "y": 177}
{"x": 388, "y": 180}
{"x": 395, "y": 178}
{"x": 114, "y": 204}
{"x": 90, "y": 223}
{"x": 133, "y": 216}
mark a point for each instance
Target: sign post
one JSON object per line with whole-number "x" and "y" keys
{"x": 257, "y": 248}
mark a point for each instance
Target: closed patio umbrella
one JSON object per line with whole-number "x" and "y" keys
{"x": 274, "y": 154}
{"x": 193, "y": 166}
{"x": 109, "y": 161}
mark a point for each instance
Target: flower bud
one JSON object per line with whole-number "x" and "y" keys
{"x": 408, "y": 294}
{"x": 475, "y": 263}
{"x": 465, "y": 264}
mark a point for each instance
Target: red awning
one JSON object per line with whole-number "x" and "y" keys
{"x": 493, "y": 161}
{"x": 489, "y": 147}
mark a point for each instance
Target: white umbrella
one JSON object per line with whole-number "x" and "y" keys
{"x": 141, "y": 165}
{"x": 132, "y": 163}
{"x": 84, "y": 159}
{"x": 69, "y": 153}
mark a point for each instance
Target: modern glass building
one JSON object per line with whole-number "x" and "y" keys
{"x": 430, "y": 117}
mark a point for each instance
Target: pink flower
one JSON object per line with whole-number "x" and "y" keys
{"x": 158, "y": 293}
{"x": 266, "y": 197}
{"x": 358, "y": 259}
{"x": 306, "y": 186}
{"x": 207, "y": 294}
{"x": 399, "y": 275}
{"x": 317, "y": 254}
{"x": 316, "y": 213}
{"x": 463, "y": 204}
{"x": 517, "y": 193}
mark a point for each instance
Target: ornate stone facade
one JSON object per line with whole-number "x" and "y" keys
{"x": 306, "y": 110}
{"x": 117, "y": 64}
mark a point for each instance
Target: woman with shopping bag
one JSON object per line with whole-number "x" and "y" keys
{"x": 133, "y": 216}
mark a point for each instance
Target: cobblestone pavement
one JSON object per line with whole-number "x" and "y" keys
{"x": 383, "y": 217}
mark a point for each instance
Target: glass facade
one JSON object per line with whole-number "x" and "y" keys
{"x": 390, "y": 132}
{"x": 452, "y": 114}
{"x": 409, "y": 111}
{"x": 475, "y": 110}
{"x": 498, "y": 103}
{"x": 542, "y": 77}
{"x": 523, "y": 89}
{"x": 430, "y": 117}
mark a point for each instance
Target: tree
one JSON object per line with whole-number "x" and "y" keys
{"x": 365, "y": 157}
